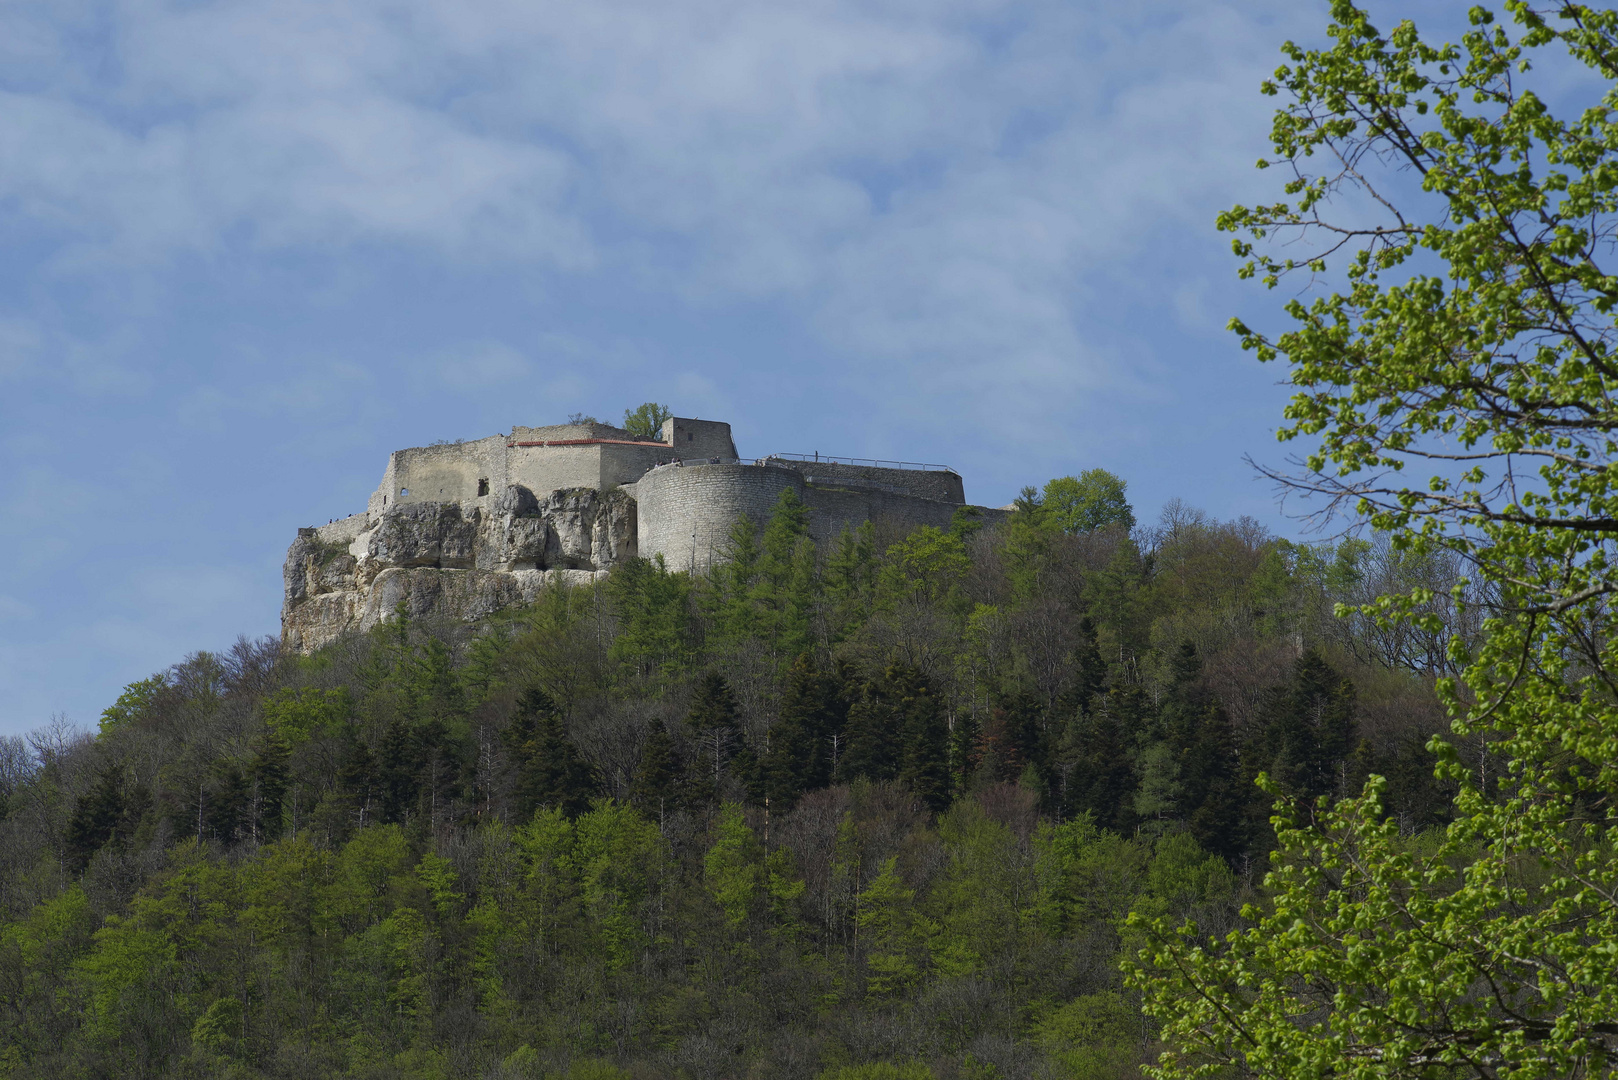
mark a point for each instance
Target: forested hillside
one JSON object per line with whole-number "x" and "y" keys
{"x": 875, "y": 810}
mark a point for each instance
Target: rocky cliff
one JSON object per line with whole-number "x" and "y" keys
{"x": 448, "y": 559}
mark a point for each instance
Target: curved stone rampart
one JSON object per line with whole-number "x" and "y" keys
{"x": 686, "y": 512}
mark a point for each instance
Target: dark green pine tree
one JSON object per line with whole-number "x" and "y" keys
{"x": 1009, "y": 741}
{"x": 440, "y": 777}
{"x": 1090, "y": 676}
{"x": 714, "y": 724}
{"x": 803, "y": 739}
{"x": 924, "y": 760}
{"x": 269, "y": 780}
{"x": 784, "y": 593}
{"x": 874, "y": 748}
{"x": 356, "y": 781}
{"x": 550, "y": 770}
{"x": 96, "y": 815}
{"x": 1211, "y": 774}
{"x": 660, "y": 779}
{"x": 1099, "y": 745}
{"x": 399, "y": 772}
{"x": 229, "y": 807}
{"x": 1305, "y": 730}
{"x": 1203, "y": 743}
{"x": 1182, "y": 701}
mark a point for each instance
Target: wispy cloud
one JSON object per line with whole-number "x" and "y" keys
{"x": 251, "y": 247}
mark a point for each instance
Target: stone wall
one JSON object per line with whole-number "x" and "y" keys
{"x": 833, "y": 509}
{"x": 543, "y": 469}
{"x": 447, "y": 472}
{"x": 622, "y": 464}
{"x": 686, "y": 511}
{"x": 699, "y": 438}
{"x": 942, "y": 485}
{"x": 605, "y": 455}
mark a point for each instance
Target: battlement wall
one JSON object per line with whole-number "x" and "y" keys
{"x": 566, "y": 432}
{"x": 833, "y": 509}
{"x": 941, "y": 485}
{"x": 542, "y": 459}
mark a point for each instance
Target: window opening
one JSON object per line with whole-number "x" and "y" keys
{"x": 483, "y": 487}
{"x": 403, "y": 492}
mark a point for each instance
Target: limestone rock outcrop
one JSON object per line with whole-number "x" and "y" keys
{"x": 447, "y": 559}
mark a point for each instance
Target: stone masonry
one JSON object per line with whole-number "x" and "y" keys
{"x": 461, "y": 530}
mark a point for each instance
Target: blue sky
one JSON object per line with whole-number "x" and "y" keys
{"x": 249, "y": 249}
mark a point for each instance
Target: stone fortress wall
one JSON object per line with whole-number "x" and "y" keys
{"x": 686, "y": 510}
{"x": 460, "y": 530}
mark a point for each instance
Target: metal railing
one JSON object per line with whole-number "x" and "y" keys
{"x": 874, "y": 463}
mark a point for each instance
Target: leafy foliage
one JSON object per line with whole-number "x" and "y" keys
{"x": 647, "y": 419}
{"x": 875, "y": 807}
{"x": 1092, "y": 500}
{"x": 1470, "y": 345}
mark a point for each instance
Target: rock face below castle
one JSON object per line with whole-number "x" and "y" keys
{"x": 442, "y": 559}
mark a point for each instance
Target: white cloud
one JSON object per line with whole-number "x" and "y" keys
{"x": 938, "y": 189}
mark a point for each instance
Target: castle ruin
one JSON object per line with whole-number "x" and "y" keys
{"x": 461, "y": 530}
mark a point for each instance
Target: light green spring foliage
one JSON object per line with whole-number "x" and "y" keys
{"x": 1093, "y": 1037}
{"x": 646, "y": 419}
{"x": 1461, "y": 391}
{"x": 132, "y": 703}
{"x": 734, "y": 866}
{"x": 299, "y": 715}
{"x": 1092, "y": 500}
{"x": 925, "y": 568}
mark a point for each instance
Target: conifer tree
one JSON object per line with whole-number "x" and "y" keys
{"x": 728, "y": 601}
{"x": 875, "y": 747}
{"x": 399, "y": 772}
{"x": 657, "y": 788}
{"x": 356, "y": 782}
{"x": 801, "y": 742}
{"x": 924, "y": 766}
{"x": 714, "y": 722}
{"x": 269, "y": 780}
{"x": 551, "y": 774}
{"x": 850, "y": 580}
{"x": 1099, "y": 748}
{"x": 1304, "y": 730}
{"x": 96, "y": 815}
{"x": 229, "y": 804}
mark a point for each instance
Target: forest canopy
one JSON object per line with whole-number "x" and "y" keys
{"x": 879, "y": 807}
